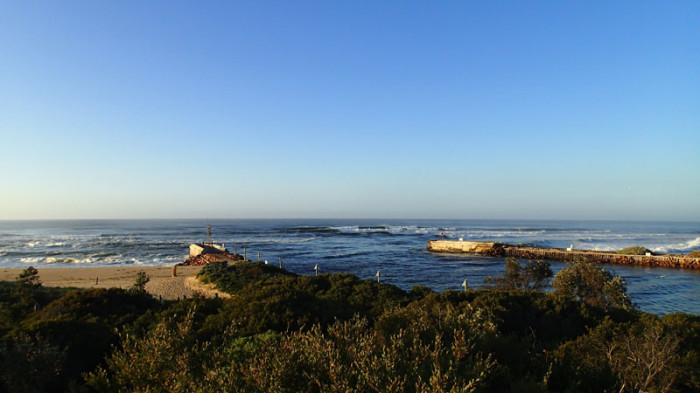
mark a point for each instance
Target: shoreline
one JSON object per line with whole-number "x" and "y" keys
{"x": 161, "y": 282}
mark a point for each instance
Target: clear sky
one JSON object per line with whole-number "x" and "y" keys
{"x": 373, "y": 109}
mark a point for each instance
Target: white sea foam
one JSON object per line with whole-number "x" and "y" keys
{"x": 277, "y": 240}
{"x": 72, "y": 259}
{"x": 56, "y": 244}
{"x": 32, "y": 260}
{"x": 689, "y": 245}
{"x": 167, "y": 259}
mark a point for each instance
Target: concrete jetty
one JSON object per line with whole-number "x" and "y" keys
{"x": 505, "y": 250}
{"x": 460, "y": 246}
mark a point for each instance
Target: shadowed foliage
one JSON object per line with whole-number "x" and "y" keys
{"x": 534, "y": 275}
{"x": 337, "y": 333}
{"x": 583, "y": 280}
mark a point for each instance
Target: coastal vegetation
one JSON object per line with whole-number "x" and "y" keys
{"x": 282, "y": 332}
{"x": 635, "y": 250}
{"x": 584, "y": 281}
{"x": 534, "y": 275}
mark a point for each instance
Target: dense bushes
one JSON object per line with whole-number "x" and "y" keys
{"x": 330, "y": 333}
{"x": 647, "y": 354}
{"x": 233, "y": 278}
{"x": 61, "y": 338}
{"x": 348, "y": 356}
{"x": 281, "y": 301}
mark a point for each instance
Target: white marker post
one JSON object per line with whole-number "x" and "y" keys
{"x": 316, "y": 269}
{"x": 378, "y": 275}
{"x": 464, "y": 284}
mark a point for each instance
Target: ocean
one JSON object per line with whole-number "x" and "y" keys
{"x": 396, "y": 248}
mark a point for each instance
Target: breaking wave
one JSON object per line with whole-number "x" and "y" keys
{"x": 690, "y": 245}
{"x": 310, "y": 229}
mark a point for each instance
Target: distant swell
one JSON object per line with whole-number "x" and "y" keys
{"x": 346, "y": 255}
{"x": 312, "y": 230}
{"x": 366, "y": 233}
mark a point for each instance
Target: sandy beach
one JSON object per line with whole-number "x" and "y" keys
{"x": 162, "y": 283}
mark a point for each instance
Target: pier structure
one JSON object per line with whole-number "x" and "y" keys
{"x": 505, "y": 250}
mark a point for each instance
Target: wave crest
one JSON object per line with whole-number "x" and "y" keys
{"x": 690, "y": 245}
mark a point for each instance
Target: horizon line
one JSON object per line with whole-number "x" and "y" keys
{"x": 342, "y": 218}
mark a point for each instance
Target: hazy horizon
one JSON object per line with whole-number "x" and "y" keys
{"x": 271, "y": 110}
{"x": 214, "y": 220}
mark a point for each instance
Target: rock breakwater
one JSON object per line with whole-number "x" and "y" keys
{"x": 506, "y": 250}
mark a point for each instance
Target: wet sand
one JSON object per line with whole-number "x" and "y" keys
{"x": 162, "y": 283}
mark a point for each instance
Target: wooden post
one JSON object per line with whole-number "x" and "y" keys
{"x": 280, "y": 262}
{"x": 245, "y": 253}
{"x": 175, "y": 271}
{"x": 258, "y": 256}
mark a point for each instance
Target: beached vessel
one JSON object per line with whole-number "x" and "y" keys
{"x": 209, "y": 251}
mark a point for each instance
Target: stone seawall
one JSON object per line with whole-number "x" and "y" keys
{"x": 498, "y": 249}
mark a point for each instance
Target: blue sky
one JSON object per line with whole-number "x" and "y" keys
{"x": 569, "y": 110}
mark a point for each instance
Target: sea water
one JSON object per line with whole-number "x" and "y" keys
{"x": 396, "y": 248}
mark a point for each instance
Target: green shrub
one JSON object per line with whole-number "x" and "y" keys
{"x": 534, "y": 275}
{"x": 29, "y": 278}
{"x": 347, "y": 357}
{"x": 83, "y": 323}
{"x": 233, "y": 278}
{"x": 17, "y": 302}
{"x": 583, "y": 280}
{"x": 30, "y": 365}
{"x": 167, "y": 359}
{"x": 290, "y": 302}
{"x": 139, "y": 285}
{"x": 647, "y": 354}
{"x": 634, "y": 250}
